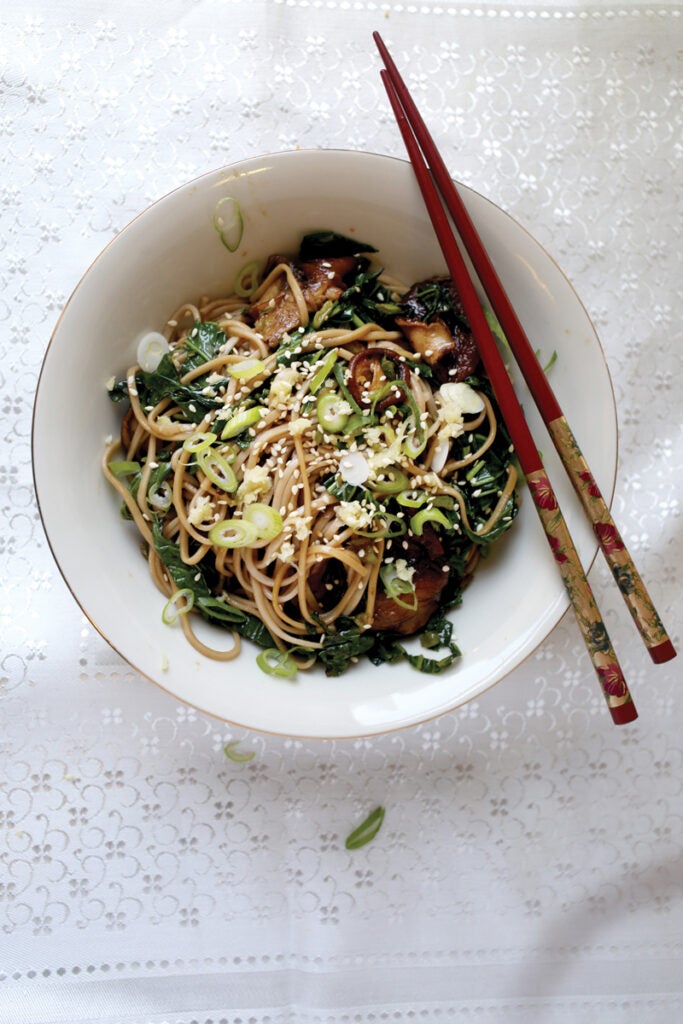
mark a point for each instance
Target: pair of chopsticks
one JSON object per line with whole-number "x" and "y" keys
{"x": 436, "y": 185}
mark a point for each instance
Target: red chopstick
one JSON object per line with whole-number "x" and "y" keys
{"x": 609, "y": 538}
{"x": 594, "y": 632}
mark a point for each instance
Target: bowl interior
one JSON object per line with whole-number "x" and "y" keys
{"x": 171, "y": 253}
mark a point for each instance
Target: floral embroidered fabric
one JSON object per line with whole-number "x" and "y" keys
{"x": 528, "y": 868}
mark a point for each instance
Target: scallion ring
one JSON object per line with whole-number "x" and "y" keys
{"x": 323, "y": 370}
{"x": 267, "y": 520}
{"x": 428, "y": 515}
{"x": 396, "y": 586}
{"x": 321, "y": 315}
{"x": 233, "y": 533}
{"x": 227, "y": 220}
{"x": 358, "y": 422}
{"x": 238, "y": 756}
{"x": 123, "y": 468}
{"x": 152, "y": 348}
{"x": 247, "y": 280}
{"x": 218, "y": 470}
{"x": 172, "y": 610}
{"x": 241, "y": 421}
{"x": 198, "y": 442}
{"x": 332, "y": 412}
{"x": 161, "y": 497}
{"x": 277, "y": 663}
{"x": 412, "y": 498}
{"x": 390, "y": 526}
{"x": 366, "y": 831}
{"x": 414, "y": 444}
{"x": 395, "y": 481}
{"x": 246, "y": 369}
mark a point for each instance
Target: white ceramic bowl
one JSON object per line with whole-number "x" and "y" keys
{"x": 172, "y": 253}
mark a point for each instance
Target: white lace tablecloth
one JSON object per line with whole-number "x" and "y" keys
{"x": 530, "y": 865}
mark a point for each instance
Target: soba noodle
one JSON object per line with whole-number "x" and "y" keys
{"x": 323, "y": 506}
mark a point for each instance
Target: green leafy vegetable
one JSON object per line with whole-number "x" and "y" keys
{"x": 438, "y": 633}
{"x": 119, "y": 391}
{"x": 164, "y": 382}
{"x": 322, "y": 244}
{"x": 435, "y": 299}
{"x": 342, "y": 648}
{"x": 203, "y": 343}
{"x": 364, "y": 301}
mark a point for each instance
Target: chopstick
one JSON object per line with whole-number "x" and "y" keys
{"x": 626, "y": 575}
{"x": 594, "y": 632}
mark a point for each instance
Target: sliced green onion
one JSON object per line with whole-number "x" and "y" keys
{"x": 152, "y": 347}
{"x": 241, "y": 421}
{"x": 359, "y": 421}
{"x": 198, "y": 442}
{"x": 330, "y": 418}
{"x": 338, "y": 371}
{"x": 475, "y": 469}
{"x": 171, "y": 611}
{"x": 409, "y": 400}
{"x": 443, "y": 501}
{"x": 395, "y": 587}
{"x": 246, "y": 369}
{"x": 395, "y": 480}
{"x": 227, "y": 220}
{"x": 247, "y": 280}
{"x": 218, "y": 470}
{"x": 239, "y": 756}
{"x": 123, "y": 468}
{"x": 414, "y": 442}
{"x": 161, "y": 497}
{"x": 277, "y": 663}
{"x": 386, "y": 433}
{"x": 390, "y": 526}
{"x": 428, "y": 515}
{"x": 551, "y": 362}
{"x": 395, "y": 592}
{"x": 323, "y": 371}
{"x": 233, "y": 533}
{"x": 267, "y": 520}
{"x": 321, "y": 315}
{"x": 366, "y": 831}
{"x": 495, "y": 328}
{"x": 412, "y": 498}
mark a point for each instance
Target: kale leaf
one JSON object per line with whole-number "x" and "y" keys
{"x": 341, "y": 648}
{"x": 437, "y": 634}
{"x": 203, "y": 344}
{"x": 164, "y": 382}
{"x": 323, "y": 244}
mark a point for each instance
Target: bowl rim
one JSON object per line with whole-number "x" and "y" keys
{"x": 221, "y": 168}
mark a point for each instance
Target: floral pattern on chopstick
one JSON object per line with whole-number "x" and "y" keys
{"x": 625, "y": 573}
{"x": 578, "y": 589}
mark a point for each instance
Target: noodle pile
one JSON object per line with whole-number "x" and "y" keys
{"x": 349, "y": 496}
